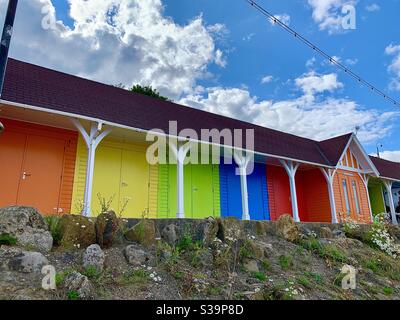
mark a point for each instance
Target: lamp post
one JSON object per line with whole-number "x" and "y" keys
{"x": 378, "y": 145}
{"x": 6, "y": 39}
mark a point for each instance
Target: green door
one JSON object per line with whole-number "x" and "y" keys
{"x": 376, "y": 196}
{"x": 201, "y": 192}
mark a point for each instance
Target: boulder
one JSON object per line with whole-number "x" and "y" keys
{"x": 338, "y": 233}
{"x": 260, "y": 249}
{"x": 80, "y": 284}
{"x": 251, "y": 266}
{"x": 27, "y": 226}
{"x": 143, "y": 233}
{"x": 107, "y": 229}
{"x": 287, "y": 229}
{"x": 77, "y": 232}
{"x": 27, "y": 262}
{"x": 209, "y": 230}
{"x": 205, "y": 258}
{"x": 326, "y": 233}
{"x": 94, "y": 257}
{"x": 169, "y": 235}
{"x": 230, "y": 230}
{"x": 135, "y": 257}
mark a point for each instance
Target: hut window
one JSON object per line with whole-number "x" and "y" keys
{"x": 346, "y": 196}
{"x": 356, "y": 197}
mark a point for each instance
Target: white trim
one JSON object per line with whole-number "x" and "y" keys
{"x": 329, "y": 175}
{"x": 354, "y": 170}
{"x": 365, "y": 179}
{"x": 113, "y": 124}
{"x": 243, "y": 163}
{"x": 366, "y": 156}
{"x": 389, "y": 186}
{"x": 386, "y": 178}
{"x": 180, "y": 154}
{"x": 291, "y": 169}
{"x": 92, "y": 141}
{"x": 374, "y": 169}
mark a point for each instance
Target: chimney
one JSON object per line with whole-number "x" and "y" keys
{"x": 6, "y": 40}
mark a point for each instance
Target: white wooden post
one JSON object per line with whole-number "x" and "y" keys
{"x": 389, "y": 184}
{"x": 243, "y": 163}
{"x": 329, "y": 175}
{"x": 291, "y": 169}
{"x": 180, "y": 153}
{"x": 92, "y": 141}
{"x": 365, "y": 179}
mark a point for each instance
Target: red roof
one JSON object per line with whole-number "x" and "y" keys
{"x": 41, "y": 87}
{"x": 387, "y": 169}
{"x": 334, "y": 148}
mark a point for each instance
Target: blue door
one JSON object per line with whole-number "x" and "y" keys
{"x": 231, "y": 199}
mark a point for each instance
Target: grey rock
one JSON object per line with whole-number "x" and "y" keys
{"x": 251, "y": 266}
{"x": 287, "y": 228}
{"x": 134, "y": 256}
{"x": 166, "y": 255}
{"x": 80, "y": 284}
{"x": 28, "y": 262}
{"x": 27, "y": 226}
{"x": 94, "y": 257}
{"x": 326, "y": 233}
{"x": 338, "y": 233}
{"x": 108, "y": 229}
{"x": 169, "y": 235}
{"x": 208, "y": 231}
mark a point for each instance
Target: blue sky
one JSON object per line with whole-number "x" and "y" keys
{"x": 214, "y": 55}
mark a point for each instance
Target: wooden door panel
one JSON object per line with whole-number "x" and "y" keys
{"x": 107, "y": 178}
{"x": 202, "y": 191}
{"x": 42, "y": 173}
{"x": 134, "y": 184}
{"x": 12, "y": 148}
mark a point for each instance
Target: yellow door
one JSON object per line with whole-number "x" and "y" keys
{"x": 107, "y": 177}
{"x": 134, "y": 194}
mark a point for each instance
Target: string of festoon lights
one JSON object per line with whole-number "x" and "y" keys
{"x": 328, "y": 57}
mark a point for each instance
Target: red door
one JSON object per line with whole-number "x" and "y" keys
{"x": 31, "y": 170}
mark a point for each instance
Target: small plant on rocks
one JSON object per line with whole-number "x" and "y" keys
{"x": 349, "y": 225}
{"x": 381, "y": 239}
{"x": 7, "y": 240}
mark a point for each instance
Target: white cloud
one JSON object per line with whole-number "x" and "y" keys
{"x": 248, "y": 37}
{"x": 389, "y": 155}
{"x": 220, "y": 59}
{"x": 119, "y": 41}
{"x": 267, "y": 79}
{"x": 394, "y": 67}
{"x": 373, "y": 7}
{"x": 351, "y": 62}
{"x": 307, "y": 115}
{"x": 328, "y": 13}
{"x": 284, "y": 18}
{"x": 312, "y": 83}
{"x": 310, "y": 62}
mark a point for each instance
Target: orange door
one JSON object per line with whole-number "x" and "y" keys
{"x": 350, "y": 196}
{"x": 41, "y": 174}
{"x": 12, "y": 148}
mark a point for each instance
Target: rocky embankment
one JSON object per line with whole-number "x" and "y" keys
{"x": 111, "y": 258}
